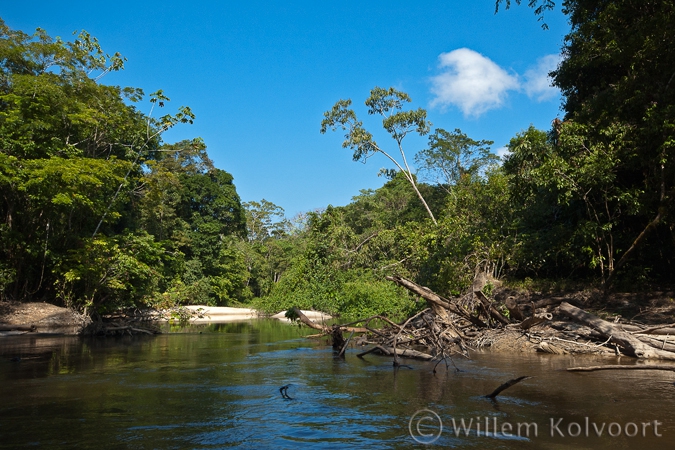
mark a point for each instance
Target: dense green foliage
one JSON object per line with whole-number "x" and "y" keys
{"x": 604, "y": 177}
{"x": 97, "y": 211}
{"x": 590, "y": 199}
{"x": 100, "y": 213}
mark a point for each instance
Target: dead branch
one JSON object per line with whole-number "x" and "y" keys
{"x": 663, "y": 330}
{"x": 304, "y": 319}
{"x": 623, "y": 367}
{"x": 490, "y": 308}
{"x": 506, "y": 385}
{"x": 662, "y": 343}
{"x": 327, "y": 330}
{"x": 371, "y": 350}
{"x": 514, "y": 309}
{"x": 344, "y": 347}
{"x": 367, "y": 320}
{"x": 401, "y": 328}
{"x": 435, "y": 301}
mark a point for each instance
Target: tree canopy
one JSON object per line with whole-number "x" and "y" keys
{"x": 97, "y": 210}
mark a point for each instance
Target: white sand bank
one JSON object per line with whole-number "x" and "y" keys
{"x": 228, "y": 314}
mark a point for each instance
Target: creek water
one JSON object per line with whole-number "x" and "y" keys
{"x": 218, "y": 386}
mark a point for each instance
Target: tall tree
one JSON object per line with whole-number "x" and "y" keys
{"x": 64, "y": 147}
{"x": 567, "y": 199}
{"x": 452, "y": 156}
{"x": 79, "y": 166}
{"x": 387, "y": 103}
{"x": 212, "y": 208}
{"x": 264, "y": 220}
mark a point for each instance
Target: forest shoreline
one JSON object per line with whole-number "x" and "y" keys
{"x": 561, "y": 335}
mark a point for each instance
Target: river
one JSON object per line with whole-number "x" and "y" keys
{"x": 218, "y": 386}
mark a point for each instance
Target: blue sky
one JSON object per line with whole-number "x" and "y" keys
{"x": 259, "y": 75}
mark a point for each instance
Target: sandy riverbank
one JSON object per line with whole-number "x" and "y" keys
{"x": 228, "y": 314}
{"x": 49, "y": 318}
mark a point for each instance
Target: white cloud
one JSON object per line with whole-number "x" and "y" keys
{"x": 537, "y": 83}
{"x": 476, "y": 84}
{"x": 472, "y": 82}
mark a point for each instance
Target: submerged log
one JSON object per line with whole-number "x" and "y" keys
{"x": 631, "y": 344}
{"x": 402, "y": 352}
{"x": 127, "y": 328}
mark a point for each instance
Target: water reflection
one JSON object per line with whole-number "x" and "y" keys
{"x": 217, "y": 386}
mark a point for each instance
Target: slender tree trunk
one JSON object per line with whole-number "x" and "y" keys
{"x": 426, "y": 206}
{"x": 411, "y": 180}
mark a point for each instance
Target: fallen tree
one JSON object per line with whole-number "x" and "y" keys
{"x": 436, "y": 333}
{"x": 452, "y": 326}
{"x": 630, "y": 343}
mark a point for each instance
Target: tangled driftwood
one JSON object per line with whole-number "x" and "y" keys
{"x": 451, "y": 327}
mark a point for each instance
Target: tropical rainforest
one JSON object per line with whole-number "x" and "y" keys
{"x": 99, "y": 213}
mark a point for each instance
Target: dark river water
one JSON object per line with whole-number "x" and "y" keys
{"x": 217, "y": 386}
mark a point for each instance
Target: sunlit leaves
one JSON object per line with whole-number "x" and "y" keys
{"x": 110, "y": 273}
{"x": 79, "y": 185}
{"x": 388, "y": 103}
{"x": 356, "y": 137}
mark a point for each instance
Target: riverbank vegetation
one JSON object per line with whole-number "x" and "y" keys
{"x": 99, "y": 213}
